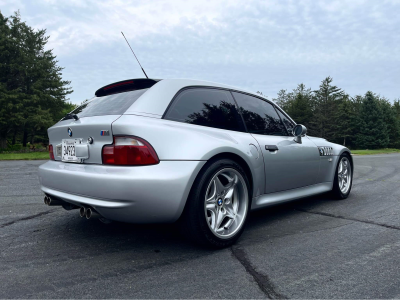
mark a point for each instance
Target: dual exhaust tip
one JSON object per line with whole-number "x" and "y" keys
{"x": 86, "y": 212}
{"x": 51, "y": 201}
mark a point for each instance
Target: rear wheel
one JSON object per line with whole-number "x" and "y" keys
{"x": 343, "y": 178}
{"x": 217, "y": 208}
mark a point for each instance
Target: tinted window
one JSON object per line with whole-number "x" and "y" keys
{"x": 288, "y": 124}
{"x": 206, "y": 107}
{"x": 115, "y": 104}
{"x": 260, "y": 116}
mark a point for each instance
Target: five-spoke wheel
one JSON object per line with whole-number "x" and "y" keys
{"x": 226, "y": 202}
{"x": 217, "y": 207}
{"x": 343, "y": 177}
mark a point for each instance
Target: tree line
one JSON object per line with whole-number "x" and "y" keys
{"x": 361, "y": 122}
{"x": 33, "y": 96}
{"x": 32, "y": 91}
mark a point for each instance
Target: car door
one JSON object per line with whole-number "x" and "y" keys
{"x": 288, "y": 164}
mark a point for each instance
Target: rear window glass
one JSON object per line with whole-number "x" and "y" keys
{"x": 115, "y": 104}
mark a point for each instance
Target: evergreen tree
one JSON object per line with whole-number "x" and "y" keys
{"x": 284, "y": 99}
{"x": 344, "y": 120}
{"x": 396, "y": 110}
{"x": 326, "y": 102}
{"x": 32, "y": 91}
{"x": 300, "y": 106}
{"x": 392, "y": 122}
{"x": 10, "y": 104}
{"x": 373, "y": 132}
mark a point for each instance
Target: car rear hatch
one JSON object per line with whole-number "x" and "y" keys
{"x": 80, "y": 136}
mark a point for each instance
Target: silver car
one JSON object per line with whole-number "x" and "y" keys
{"x": 200, "y": 153}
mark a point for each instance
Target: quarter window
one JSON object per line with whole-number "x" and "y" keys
{"x": 259, "y": 116}
{"x": 205, "y": 107}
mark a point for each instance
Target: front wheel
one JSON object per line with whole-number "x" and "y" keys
{"x": 343, "y": 178}
{"x": 218, "y": 205}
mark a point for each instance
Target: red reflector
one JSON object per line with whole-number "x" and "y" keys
{"x": 129, "y": 151}
{"x": 117, "y": 84}
{"x": 51, "y": 153}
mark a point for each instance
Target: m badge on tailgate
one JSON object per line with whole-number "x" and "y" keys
{"x": 104, "y": 133}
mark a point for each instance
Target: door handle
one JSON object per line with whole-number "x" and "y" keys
{"x": 271, "y": 148}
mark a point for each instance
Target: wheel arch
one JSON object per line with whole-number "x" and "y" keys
{"x": 347, "y": 151}
{"x": 240, "y": 161}
{"x": 224, "y": 155}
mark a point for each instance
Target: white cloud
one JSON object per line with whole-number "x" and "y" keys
{"x": 258, "y": 45}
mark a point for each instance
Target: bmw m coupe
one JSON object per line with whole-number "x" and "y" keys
{"x": 200, "y": 153}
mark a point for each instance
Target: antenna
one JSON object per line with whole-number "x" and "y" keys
{"x": 135, "y": 55}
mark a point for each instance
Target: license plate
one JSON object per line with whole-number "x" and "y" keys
{"x": 68, "y": 150}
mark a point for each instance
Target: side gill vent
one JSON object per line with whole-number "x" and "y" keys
{"x": 325, "y": 151}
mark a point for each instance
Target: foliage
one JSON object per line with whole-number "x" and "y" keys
{"x": 373, "y": 130}
{"x": 368, "y": 121}
{"x": 32, "y": 92}
{"x": 345, "y": 119}
{"x": 326, "y": 101}
{"x": 33, "y": 96}
{"x": 299, "y": 106}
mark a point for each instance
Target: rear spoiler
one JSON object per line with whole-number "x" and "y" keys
{"x": 125, "y": 86}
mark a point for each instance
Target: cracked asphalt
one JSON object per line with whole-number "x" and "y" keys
{"x": 312, "y": 248}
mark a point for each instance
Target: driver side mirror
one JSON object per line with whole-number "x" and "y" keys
{"x": 299, "y": 131}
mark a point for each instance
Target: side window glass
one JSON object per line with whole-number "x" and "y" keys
{"x": 260, "y": 116}
{"x": 288, "y": 124}
{"x": 206, "y": 107}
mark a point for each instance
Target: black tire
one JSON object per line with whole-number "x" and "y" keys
{"x": 336, "y": 193}
{"x": 193, "y": 222}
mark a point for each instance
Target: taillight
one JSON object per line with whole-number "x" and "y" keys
{"x": 51, "y": 153}
{"x": 129, "y": 151}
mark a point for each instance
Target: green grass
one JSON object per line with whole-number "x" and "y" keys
{"x": 377, "y": 151}
{"x": 24, "y": 156}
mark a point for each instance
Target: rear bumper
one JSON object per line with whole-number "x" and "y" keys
{"x": 148, "y": 194}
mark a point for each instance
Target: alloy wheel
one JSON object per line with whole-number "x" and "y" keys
{"x": 226, "y": 203}
{"x": 344, "y": 175}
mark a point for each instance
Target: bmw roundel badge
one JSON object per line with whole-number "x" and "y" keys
{"x": 69, "y": 131}
{"x": 219, "y": 202}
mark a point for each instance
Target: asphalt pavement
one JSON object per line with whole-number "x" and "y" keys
{"x": 311, "y": 248}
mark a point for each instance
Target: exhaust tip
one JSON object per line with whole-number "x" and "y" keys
{"x": 82, "y": 212}
{"x": 88, "y": 213}
{"x": 47, "y": 200}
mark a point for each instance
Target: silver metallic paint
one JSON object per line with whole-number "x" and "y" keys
{"x": 181, "y": 141}
{"x": 289, "y": 195}
{"x": 84, "y": 128}
{"x": 292, "y": 166}
{"x": 146, "y": 194}
{"x": 128, "y": 193}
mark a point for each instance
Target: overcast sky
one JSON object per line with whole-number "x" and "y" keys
{"x": 257, "y": 45}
